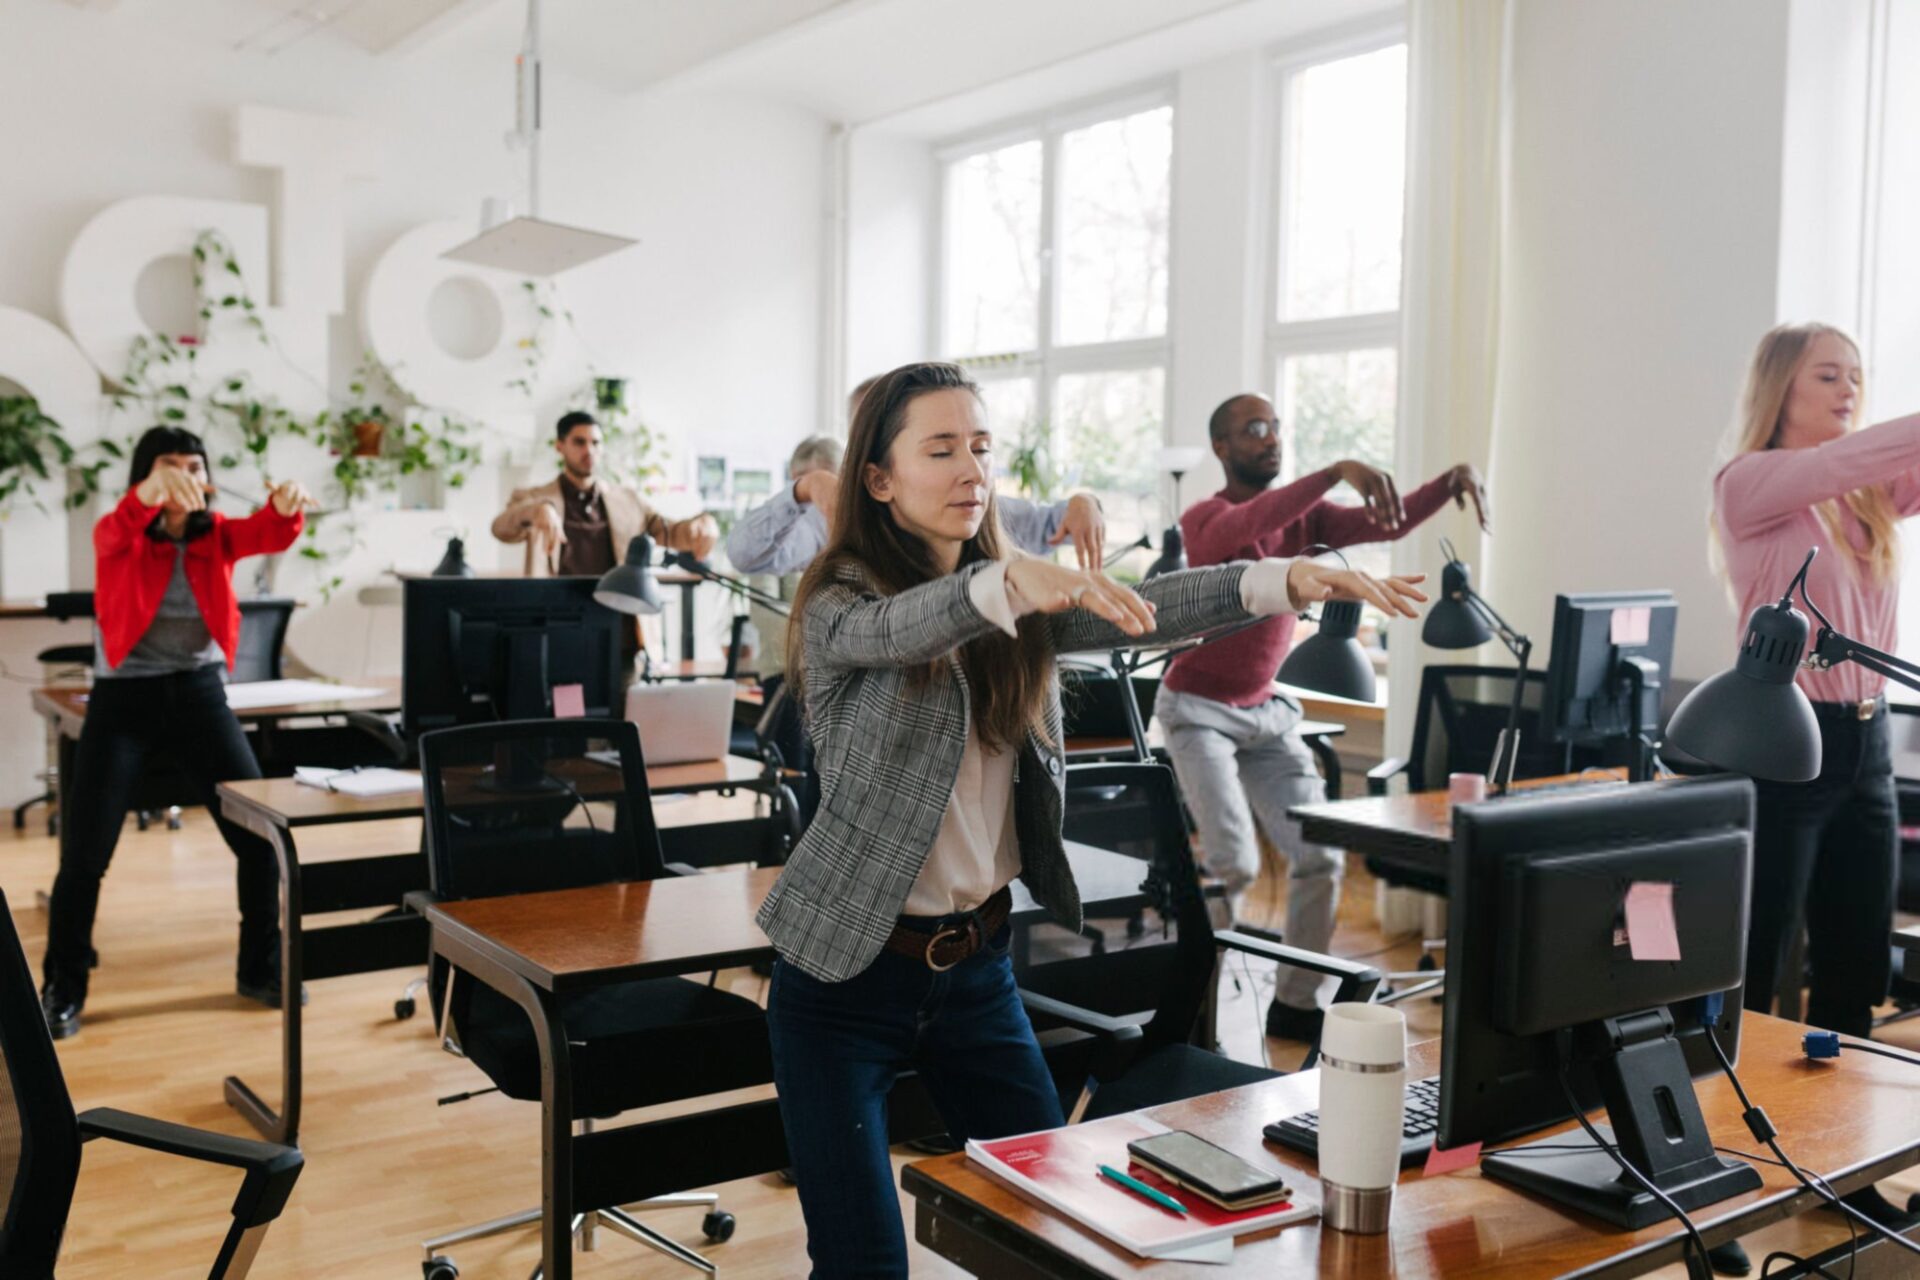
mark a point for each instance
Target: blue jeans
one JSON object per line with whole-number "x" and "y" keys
{"x": 837, "y": 1047}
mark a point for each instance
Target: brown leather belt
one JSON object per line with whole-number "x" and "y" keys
{"x": 957, "y": 937}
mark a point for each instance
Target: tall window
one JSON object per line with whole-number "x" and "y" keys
{"x": 1334, "y": 334}
{"x": 1054, "y": 294}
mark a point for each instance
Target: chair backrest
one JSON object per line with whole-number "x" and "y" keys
{"x": 263, "y": 638}
{"x": 39, "y": 1140}
{"x": 518, "y": 806}
{"x": 1460, "y": 715}
{"x": 1135, "y": 809}
{"x": 66, "y": 605}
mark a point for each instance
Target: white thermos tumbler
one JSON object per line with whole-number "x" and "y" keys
{"x": 1363, "y": 1079}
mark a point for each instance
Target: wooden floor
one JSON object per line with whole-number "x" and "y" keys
{"x": 386, "y": 1167}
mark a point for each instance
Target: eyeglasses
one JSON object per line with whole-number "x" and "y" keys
{"x": 1261, "y": 429}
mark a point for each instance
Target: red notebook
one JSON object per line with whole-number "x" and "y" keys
{"x": 1060, "y": 1168}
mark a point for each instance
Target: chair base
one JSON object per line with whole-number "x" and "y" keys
{"x": 718, "y": 1227}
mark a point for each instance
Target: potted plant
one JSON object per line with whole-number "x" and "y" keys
{"x": 34, "y": 450}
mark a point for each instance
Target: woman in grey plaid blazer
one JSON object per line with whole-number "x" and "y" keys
{"x": 935, "y": 718}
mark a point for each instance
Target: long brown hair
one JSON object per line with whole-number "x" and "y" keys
{"x": 1763, "y": 415}
{"x": 1009, "y": 678}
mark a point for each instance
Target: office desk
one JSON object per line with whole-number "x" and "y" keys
{"x": 536, "y": 947}
{"x": 64, "y": 708}
{"x": 701, "y": 669}
{"x": 1414, "y": 829}
{"x": 1319, "y": 736}
{"x": 274, "y": 808}
{"x": 1860, "y": 1118}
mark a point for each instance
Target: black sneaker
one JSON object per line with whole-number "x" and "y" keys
{"x": 1288, "y": 1023}
{"x": 62, "y": 1010}
{"x": 266, "y": 990}
{"x": 1868, "y": 1200}
{"x": 1729, "y": 1259}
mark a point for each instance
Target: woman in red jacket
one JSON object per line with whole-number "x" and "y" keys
{"x": 167, "y": 625}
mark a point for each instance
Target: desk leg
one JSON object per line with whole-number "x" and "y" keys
{"x": 283, "y": 1125}
{"x": 1329, "y": 763}
{"x": 686, "y": 620}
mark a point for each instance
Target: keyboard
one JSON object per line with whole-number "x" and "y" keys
{"x": 1302, "y": 1132}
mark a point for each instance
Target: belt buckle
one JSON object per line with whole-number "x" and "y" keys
{"x": 934, "y": 941}
{"x": 1866, "y": 709}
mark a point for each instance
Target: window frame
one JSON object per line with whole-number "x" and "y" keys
{"x": 1049, "y": 359}
{"x": 1324, "y": 335}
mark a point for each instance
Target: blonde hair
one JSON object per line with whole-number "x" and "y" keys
{"x": 1763, "y": 415}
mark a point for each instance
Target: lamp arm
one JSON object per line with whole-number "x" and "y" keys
{"x": 1831, "y": 648}
{"x": 739, "y": 586}
{"x": 1497, "y": 624}
{"x": 1508, "y": 754}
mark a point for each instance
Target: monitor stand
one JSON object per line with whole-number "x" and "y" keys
{"x": 1656, "y": 1125}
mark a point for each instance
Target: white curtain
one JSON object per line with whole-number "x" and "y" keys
{"x": 1457, "y": 102}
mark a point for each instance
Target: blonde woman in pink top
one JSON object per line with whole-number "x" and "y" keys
{"x": 1802, "y": 476}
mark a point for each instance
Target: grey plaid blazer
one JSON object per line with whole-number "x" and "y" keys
{"x": 888, "y": 754}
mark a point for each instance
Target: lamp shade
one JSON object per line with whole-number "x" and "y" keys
{"x": 1332, "y": 661}
{"x": 629, "y": 587}
{"x": 1173, "y": 553}
{"x": 1451, "y": 622}
{"x": 1754, "y": 719}
{"x": 454, "y": 563}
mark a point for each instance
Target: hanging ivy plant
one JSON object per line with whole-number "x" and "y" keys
{"x": 34, "y": 450}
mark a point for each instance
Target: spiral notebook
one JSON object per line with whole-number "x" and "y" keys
{"x": 1060, "y": 1168}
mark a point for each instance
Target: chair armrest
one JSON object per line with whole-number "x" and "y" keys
{"x": 682, "y": 868}
{"x": 1358, "y": 981}
{"x": 381, "y": 731}
{"x": 271, "y": 1169}
{"x": 1382, "y": 773}
{"x": 1073, "y": 1015}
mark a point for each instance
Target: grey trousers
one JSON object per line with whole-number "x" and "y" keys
{"x": 1237, "y": 765}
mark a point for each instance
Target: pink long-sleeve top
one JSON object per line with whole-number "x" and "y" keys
{"x": 1763, "y": 510}
{"x": 1239, "y": 669}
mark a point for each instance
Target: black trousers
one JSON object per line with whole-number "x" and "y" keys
{"x": 185, "y": 718}
{"x": 1826, "y": 852}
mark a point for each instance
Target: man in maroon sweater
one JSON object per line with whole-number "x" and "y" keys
{"x": 1232, "y": 735}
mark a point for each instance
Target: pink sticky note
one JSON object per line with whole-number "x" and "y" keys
{"x": 569, "y": 701}
{"x": 1446, "y": 1159}
{"x": 1632, "y": 626}
{"x": 1651, "y": 931}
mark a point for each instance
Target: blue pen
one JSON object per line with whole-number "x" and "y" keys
{"x": 1140, "y": 1188}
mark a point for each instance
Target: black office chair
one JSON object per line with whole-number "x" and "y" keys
{"x": 77, "y": 660}
{"x": 263, "y": 638}
{"x": 529, "y": 805}
{"x": 1132, "y": 1065}
{"x": 40, "y": 1140}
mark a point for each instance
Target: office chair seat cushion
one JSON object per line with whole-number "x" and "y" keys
{"x": 1172, "y": 1073}
{"x": 633, "y": 1044}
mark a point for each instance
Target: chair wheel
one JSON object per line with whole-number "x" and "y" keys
{"x": 1427, "y": 964}
{"x": 403, "y": 1008}
{"x": 718, "y": 1227}
{"x": 439, "y": 1269}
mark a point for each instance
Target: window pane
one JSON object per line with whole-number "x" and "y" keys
{"x": 1012, "y": 417}
{"x": 1114, "y": 181}
{"x": 1345, "y": 156}
{"x": 1108, "y": 428}
{"x": 1338, "y": 405}
{"x": 993, "y": 251}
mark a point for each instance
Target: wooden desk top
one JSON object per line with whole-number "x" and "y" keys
{"x": 67, "y": 704}
{"x": 25, "y": 609}
{"x": 285, "y": 802}
{"x": 1415, "y": 825}
{"x": 1857, "y": 1113}
{"x": 567, "y": 939}
{"x": 699, "y": 669}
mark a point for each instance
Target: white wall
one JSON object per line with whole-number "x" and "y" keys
{"x": 892, "y": 250}
{"x": 714, "y": 316}
{"x": 1642, "y": 264}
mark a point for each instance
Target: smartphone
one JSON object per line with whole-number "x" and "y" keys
{"x": 1213, "y": 1172}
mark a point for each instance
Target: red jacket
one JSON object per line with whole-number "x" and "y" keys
{"x": 131, "y": 571}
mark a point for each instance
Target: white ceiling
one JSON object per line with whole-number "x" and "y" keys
{"x": 925, "y": 66}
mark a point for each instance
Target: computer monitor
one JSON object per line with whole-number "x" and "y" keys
{"x": 1541, "y": 973}
{"x": 1612, "y": 654}
{"x": 476, "y": 649}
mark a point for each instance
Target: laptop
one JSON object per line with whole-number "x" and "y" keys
{"x": 682, "y": 720}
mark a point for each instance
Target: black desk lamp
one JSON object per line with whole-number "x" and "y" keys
{"x": 1176, "y": 461}
{"x": 454, "y": 563}
{"x": 1754, "y": 719}
{"x": 1331, "y": 661}
{"x": 629, "y": 587}
{"x": 1462, "y": 619}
